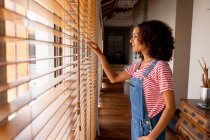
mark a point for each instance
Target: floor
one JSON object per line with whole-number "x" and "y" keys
{"x": 115, "y": 113}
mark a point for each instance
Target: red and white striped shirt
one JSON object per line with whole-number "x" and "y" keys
{"x": 158, "y": 80}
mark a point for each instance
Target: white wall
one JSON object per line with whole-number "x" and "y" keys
{"x": 200, "y": 45}
{"x": 183, "y": 28}
{"x": 164, "y": 10}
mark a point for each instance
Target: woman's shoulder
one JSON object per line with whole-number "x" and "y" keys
{"x": 162, "y": 64}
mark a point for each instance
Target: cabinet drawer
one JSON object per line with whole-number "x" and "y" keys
{"x": 196, "y": 117}
{"x": 184, "y": 134}
{"x": 191, "y": 130}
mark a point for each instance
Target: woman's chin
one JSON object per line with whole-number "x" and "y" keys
{"x": 134, "y": 51}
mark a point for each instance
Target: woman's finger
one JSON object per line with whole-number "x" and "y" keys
{"x": 92, "y": 44}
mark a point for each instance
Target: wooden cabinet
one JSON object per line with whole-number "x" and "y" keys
{"x": 194, "y": 123}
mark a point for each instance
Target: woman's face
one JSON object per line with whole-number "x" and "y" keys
{"x": 135, "y": 41}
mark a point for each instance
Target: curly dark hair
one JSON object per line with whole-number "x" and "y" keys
{"x": 157, "y": 36}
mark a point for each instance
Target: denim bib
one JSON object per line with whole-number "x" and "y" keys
{"x": 141, "y": 125}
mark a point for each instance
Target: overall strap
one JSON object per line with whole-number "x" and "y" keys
{"x": 146, "y": 118}
{"x": 150, "y": 68}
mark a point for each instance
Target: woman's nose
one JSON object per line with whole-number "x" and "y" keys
{"x": 131, "y": 40}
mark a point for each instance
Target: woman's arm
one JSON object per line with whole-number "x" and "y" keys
{"x": 122, "y": 76}
{"x": 165, "y": 118}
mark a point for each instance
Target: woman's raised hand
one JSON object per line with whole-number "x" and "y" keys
{"x": 94, "y": 47}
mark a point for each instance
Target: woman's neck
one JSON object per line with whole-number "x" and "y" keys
{"x": 146, "y": 56}
{"x": 146, "y": 61}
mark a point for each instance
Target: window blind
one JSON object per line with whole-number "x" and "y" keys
{"x": 47, "y": 72}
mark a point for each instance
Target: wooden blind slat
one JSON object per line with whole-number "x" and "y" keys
{"x": 27, "y": 111}
{"x": 50, "y": 125}
{"x": 33, "y": 60}
{"x": 52, "y": 122}
{"x": 68, "y": 126}
{"x": 18, "y": 39}
{"x": 11, "y": 129}
{"x": 55, "y": 108}
{"x": 29, "y": 78}
{"x": 35, "y": 23}
{"x": 44, "y": 102}
{"x": 59, "y": 126}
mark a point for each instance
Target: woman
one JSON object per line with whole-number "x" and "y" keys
{"x": 151, "y": 83}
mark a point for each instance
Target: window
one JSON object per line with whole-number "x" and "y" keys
{"x": 47, "y": 76}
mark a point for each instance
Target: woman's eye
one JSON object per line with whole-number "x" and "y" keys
{"x": 134, "y": 36}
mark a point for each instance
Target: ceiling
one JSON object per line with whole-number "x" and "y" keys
{"x": 114, "y": 8}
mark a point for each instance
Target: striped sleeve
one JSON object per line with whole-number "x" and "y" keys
{"x": 165, "y": 79}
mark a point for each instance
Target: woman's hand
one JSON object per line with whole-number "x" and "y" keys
{"x": 113, "y": 77}
{"x": 94, "y": 47}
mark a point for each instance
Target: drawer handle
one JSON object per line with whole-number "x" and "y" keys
{"x": 185, "y": 110}
{"x": 200, "y": 122}
{"x": 193, "y": 126}
{"x": 185, "y": 122}
{"x": 193, "y": 114}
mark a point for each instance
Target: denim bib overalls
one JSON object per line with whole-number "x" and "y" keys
{"x": 141, "y": 125}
